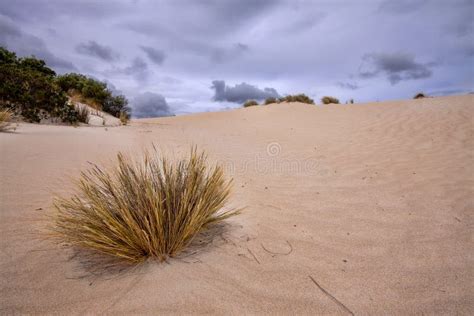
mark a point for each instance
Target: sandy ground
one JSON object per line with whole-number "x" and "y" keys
{"x": 374, "y": 202}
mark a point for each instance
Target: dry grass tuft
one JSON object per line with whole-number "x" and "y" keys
{"x": 82, "y": 114}
{"x": 143, "y": 208}
{"x": 5, "y": 120}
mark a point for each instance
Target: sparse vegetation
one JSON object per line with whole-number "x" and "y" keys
{"x": 329, "y": 100}
{"x": 94, "y": 93}
{"x": 33, "y": 91}
{"x": 303, "y": 98}
{"x": 250, "y": 103}
{"x": 419, "y": 95}
{"x": 270, "y": 101}
{"x": 82, "y": 114}
{"x": 5, "y": 120}
{"x": 124, "y": 118}
{"x": 142, "y": 208}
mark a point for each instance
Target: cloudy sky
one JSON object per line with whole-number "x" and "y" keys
{"x": 187, "y": 56}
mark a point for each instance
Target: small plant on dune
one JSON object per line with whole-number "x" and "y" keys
{"x": 419, "y": 95}
{"x": 5, "y": 120}
{"x": 329, "y": 100}
{"x": 270, "y": 101}
{"x": 124, "y": 118}
{"x": 143, "y": 208}
{"x": 250, "y": 103}
{"x": 302, "y": 98}
{"x": 82, "y": 114}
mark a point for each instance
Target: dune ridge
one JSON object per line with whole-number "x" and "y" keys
{"x": 370, "y": 202}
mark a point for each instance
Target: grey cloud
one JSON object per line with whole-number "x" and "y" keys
{"x": 94, "y": 49}
{"x": 138, "y": 69}
{"x": 347, "y": 85}
{"x": 240, "y": 92}
{"x": 155, "y": 55}
{"x": 401, "y": 6}
{"x": 25, "y": 44}
{"x": 220, "y": 55}
{"x": 396, "y": 66}
{"x": 150, "y": 104}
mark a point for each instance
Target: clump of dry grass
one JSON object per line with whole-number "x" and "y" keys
{"x": 82, "y": 114}
{"x": 5, "y": 120}
{"x": 143, "y": 208}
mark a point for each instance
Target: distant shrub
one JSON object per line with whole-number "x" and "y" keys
{"x": 143, "y": 208}
{"x": 329, "y": 100}
{"x": 5, "y": 120}
{"x": 419, "y": 95}
{"x": 303, "y": 98}
{"x": 351, "y": 101}
{"x": 270, "y": 100}
{"x": 250, "y": 103}
{"x": 94, "y": 93}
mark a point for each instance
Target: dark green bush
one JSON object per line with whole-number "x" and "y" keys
{"x": 329, "y": 100}
{"x": 419, "y": 95}
{"x": 27, "y": 87}
{"x": 95, "y": 92}
{"x": 250, "y": 103}
{"x": 270, "y": 101}
{"x": 303, "y": 98}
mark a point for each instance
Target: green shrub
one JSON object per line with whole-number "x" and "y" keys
{"x": 27, "y": 87}
{"x": 270, "y": 101}
{"x": 142, "y": 208}
{"x": 93, "y": 92}
{"x": 250, "y": 103}
{"x": 302, "y": 98}
{"x": 419, "y": 95}
{"x": 329, "y": 100}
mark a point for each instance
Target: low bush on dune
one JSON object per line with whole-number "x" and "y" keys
{"x": 329, "y": 100}
{"x": 250, "y": 103}
{"x": 143, "y": 208}
{"x": 94, "y": 93}
{"x": 303, "y": 98}
{"x": 34, "y": 92}
{"x": 5, "y": 120}
{"x": 270, "y": 101}
{"x": 419, "y": 95}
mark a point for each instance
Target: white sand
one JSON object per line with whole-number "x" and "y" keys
{"x": 376, "y": 201}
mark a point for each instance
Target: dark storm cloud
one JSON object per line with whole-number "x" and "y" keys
{"x": 13, "y": 38}
{"x": 150, "y": 104}
{"x": 396, "y": 66}
{"x": 155, "y": 55}
{"x": 94, "y": 49}
{"x": 240, "y": 92}
{"x": 347, "y": 85}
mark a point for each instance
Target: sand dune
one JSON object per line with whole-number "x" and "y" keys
{"x": 374, "y": 202}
